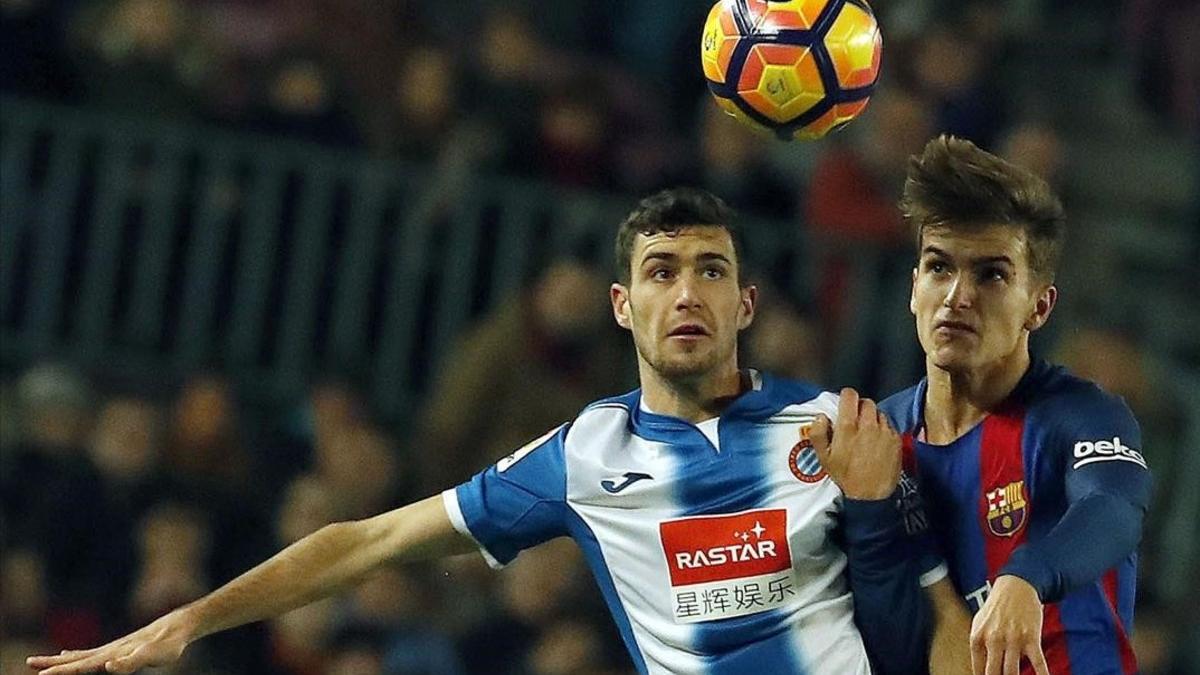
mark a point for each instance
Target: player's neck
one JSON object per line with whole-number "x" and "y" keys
{"x": 956, "y": 401}
{"x": 692, "y": 399}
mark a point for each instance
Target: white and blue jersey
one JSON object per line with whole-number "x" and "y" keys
{"x": 714, "y": 544}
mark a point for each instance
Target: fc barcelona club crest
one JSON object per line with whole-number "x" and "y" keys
{"x": 802, "y": 460}
{"x": 1007, "y": 509}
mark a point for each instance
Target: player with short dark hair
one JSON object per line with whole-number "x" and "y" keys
{"x": 670, "y": 210}
{"x": 723, "y": 537}
{"x": 1032, "y": 478}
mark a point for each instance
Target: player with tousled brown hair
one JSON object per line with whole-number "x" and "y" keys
{"x": 1032, "y": 478}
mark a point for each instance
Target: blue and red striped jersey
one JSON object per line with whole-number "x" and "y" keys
{"x": 1026, "y": 480}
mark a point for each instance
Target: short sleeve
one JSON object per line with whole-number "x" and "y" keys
{"x": 518, "y": 503}
{"x": 1099, "y": 445}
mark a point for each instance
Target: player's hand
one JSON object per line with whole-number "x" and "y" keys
{"x": 861, "y": 451}
{"x": 159, "y": 643}
{"x": 1008, "y": 628}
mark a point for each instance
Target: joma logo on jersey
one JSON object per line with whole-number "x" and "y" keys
{"x": 1090, "y": 452}
{"x": 1006, "y": 509}
{"x": 703, "y": 549}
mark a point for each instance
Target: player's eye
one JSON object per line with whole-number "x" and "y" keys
{"x": 714, "y": 273}
{"x": 660, "y": 273}
{"x": 993, "y": 275}
{"x": 936, "y": 267}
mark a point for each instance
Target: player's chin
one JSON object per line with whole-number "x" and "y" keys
{"x": 685, "y": 365}
{"x": 952, "y": 358}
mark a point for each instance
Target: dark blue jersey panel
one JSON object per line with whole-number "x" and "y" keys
{"x": 1085, "y": 482}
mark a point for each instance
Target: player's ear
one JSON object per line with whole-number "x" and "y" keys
{"x": 619, "y": 295}
{"x": 1042, "y": 308}
{"x": 749, "y": 304}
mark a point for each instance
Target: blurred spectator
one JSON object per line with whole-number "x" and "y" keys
{"x": 511, "y": 50}
{"x": 734, "y": 163}
{"x": 781, "y": 341}
{"x": 855, "y": 186}
{"x": 23, "y": 596}
{"x": 1162, "y": 33}
{"x": 10, "y": 422}
{"x": 357, "y": 652}
{"x": 530, "y": 365}
{"x": 55, "y": 403}
{"x": 1155, "y": 639}
{"x": 543, "y": 585}
{"x": 308, "y": 505}
{"x": 303, "y": 101}
{"x": 131, "y": 56}
{"x": 127, "y": 441}
{"x": 856, "y": 232}
{"x": 204, "y": 449}
{"x": 126, "y": 448}
{"x": 50, "y": 485}
{"x": 331, "y": 405}
{"x": 360, "y": 465}
{"x": 35, "y": 61}
{"x": 173, "y": 542}
{"x": 13, "y": 652}
{"x": 396, "y": 606}
{"x": 954, "y": 69}
{"x": 511, "y": 71}
{"x": 572, "y": 646}
{"x": 298, "y": 640}
{"x": 207, "y": 462}
{"x": 573, "y": 142}
{"x": 421, "y": 110}
{"x": 1038, "y": 148}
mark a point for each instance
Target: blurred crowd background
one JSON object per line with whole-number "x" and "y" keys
{"x": 143, "y": 463}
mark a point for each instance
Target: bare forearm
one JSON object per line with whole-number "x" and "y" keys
{"x": 950, "y": 648}
{"x": 320, "y": 564}
{"x": 317, "y": 565}
{"x": 325, "y": 562}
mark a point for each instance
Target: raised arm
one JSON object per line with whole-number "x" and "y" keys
{"x": 324, "y": 562}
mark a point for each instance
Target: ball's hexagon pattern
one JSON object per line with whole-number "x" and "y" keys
{"x": 855, "y": 46}
{"x": 769, "y": 17}
{"x": 780, "y": 81}
{"x": 836, "y": 117}
{"x": 717, "y": 42}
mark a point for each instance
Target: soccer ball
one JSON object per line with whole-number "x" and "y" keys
{"x": 797, "y": 68}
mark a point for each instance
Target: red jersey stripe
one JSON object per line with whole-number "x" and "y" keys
{"x": 908, "y": 454}
{"x": 1054, "y": 643}
{"x": 1129, "y": 664}
{"x": 1003, "y": 507}
{"x": 1004, "y": 512}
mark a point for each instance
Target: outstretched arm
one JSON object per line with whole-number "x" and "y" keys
{"x": 324, "y": 562}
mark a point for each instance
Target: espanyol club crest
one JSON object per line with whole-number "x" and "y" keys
{"x": 1007, "y": 509}
{"x": 802, "y": 460}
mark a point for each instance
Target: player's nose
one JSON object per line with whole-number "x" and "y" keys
{"x": 687, "y": 294}
{"x": 961, "y": 293}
